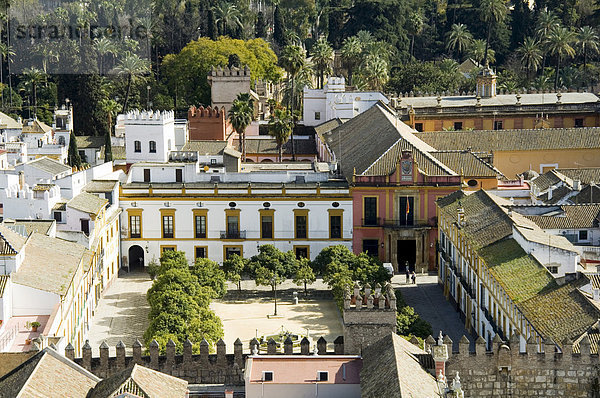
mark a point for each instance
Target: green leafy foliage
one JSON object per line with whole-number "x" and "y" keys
{"x": 234, "y": 267}
{"x": 409, "y": 323}
{"x": 304, "y": 274}
{"x": 210, "y": 275}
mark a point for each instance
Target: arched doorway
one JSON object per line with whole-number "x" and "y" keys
{"x": 136, "y": 258}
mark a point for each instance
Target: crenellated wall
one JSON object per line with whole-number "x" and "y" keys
{"x": 508, "y": 371}
{"x": 208, "y": 123}
{"x": 202, "y": 368}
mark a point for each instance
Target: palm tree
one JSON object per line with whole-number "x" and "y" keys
{"x": 240, "y": 116}
{"x": 374, "y": 73}
{"x": 111, "y": 107}
{"x": 587, "y": 40}
{"x": 459, "y": 38}
{"x": 104, "y": 46}
{"x": 322, "y": 57}
{"x": 6, "y": 52}
{"x": 415, "y": 26}
{"x": 546, "y": 21}
{"x": 280, "y": 128}
{"x": 560, "y": 43}
{"x": 31, "y": 77}
{"x": 131, "y": 66}
{"x": 531, "y": 54}
{"x": 292, "y": 60}
{"x": 492, "y": 11}
{"x": 228, "y": 15}
{"x": 477, "y": 50}
{"x": 47, "y": 53}
{"x": 351, "y": 55}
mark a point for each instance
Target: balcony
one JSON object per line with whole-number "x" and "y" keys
{"x": 403, "y": 223}
{"x": 233, "y": 234}
{"x": 371, "y": 222}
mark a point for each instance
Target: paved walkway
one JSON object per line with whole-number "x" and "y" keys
{"x": 428, "y": 300}
{"x": 122, "y": 314}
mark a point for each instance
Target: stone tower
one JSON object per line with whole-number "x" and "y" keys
{"x": 486, "y": 82}
{"x": 368, "y": 318}
{"x": 226, "y": 83}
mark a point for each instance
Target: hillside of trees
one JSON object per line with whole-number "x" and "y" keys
{"x": 157, "y": 53}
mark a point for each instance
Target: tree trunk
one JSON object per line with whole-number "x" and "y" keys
{"x": 305, "y": 290}
{"x": 243, "y": 137}
{"x": 412, "y": 46}
{"x": 487, "y": 42}
{"x": 293, "y": 122}
{"x": 557, "y": 70}
{"x": 239, "y": 285}
{"x": 279, "y": 151}
{"x": 349, "y": 75}
{"x": 127, "y": 93}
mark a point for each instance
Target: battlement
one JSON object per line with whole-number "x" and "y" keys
{"x": 202, "y": 368}
{"x": 371, "y": 300}
{"x": 148, "y": 117}
{"x": 229, "y": 72}
{"x": 208, "y": 112}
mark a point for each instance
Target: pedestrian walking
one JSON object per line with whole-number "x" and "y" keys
{"x": 407, "y": 272}
{"x": 414, "y": 278}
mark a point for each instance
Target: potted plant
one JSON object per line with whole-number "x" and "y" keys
{"x": 27, "y": 341}
{"x": 34, "y": 326}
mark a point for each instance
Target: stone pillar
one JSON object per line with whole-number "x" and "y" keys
{"x": 480, "y": 346}
{"x": 532, "y": 347}
{"x": 440, "y": 356}
{"x": 170, "y": 351}
{"x": 304, "y": 346}
{"x": 221, "y": 353}
{"x": 271, "y": 347}
{"x": 103, "y": 359}
{"x": 137, "y": 352}
{"x": 338, "y": 345}
{"x": 120, "y": 355}
{"x": 463, "y": 346}
{"x": 87, "y": 355}
{"x": 204, "y": 353}
{"x": 321, "y": 346}
{"x": 237, "y": 353}
{"x": 70, "y": 351}
{"x": 253, "y": 345}
{"x": 154, "y": 352}
{"x": 187, "y": 352}
{"x": 288, "y": 346}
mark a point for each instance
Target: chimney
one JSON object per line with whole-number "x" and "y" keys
{"x": 228, "y": 393}
{"x": 21, "y": 180}
{"x": 460, "y": 214}
{"x": 576, "y": 185}
{"x": 440, "y": 355}
{"x": 549, "y": 193}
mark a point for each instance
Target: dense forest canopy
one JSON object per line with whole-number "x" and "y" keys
{"x": 137, "y": 54}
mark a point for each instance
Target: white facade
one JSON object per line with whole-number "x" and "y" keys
{"x": 333, "y": 101}
{"x": 149, "y": 136}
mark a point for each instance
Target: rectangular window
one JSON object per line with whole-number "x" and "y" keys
{"x": 371, "y": 247}
{"x": 267, "y": 376}
{"x": 407, "y": 210}
{"x": 322, "y": 376}
{"x": 213, "y": 161}
{"x": 200, "y": 252}
{"x": 134, "y": 227}
{"x": 578, "y": 122}
{"x": 167, "y": 248}
{"x": 200, "y": 225}
{"x": 152, "y": 146}
{"x": 167, "y": 226}
{"x": 85, "y": 226}
{"x": 370, "y": 211}
{"x": 266, "y": 227}
{"x": 58, "y": 216}
{"x": 178, "y": 175}
{"x": 317, "y": 115}
{"x": 458, "y": 125}
{"x": 583, "y": 235}
{"x": 301, "y": 227}
{"x": 498, "y": 125}
{"x": 229, "y": 251}
{"x": 146, "y": 175}
{"x": 301, "y": 252}
{"x": 137, "y": 146}
{"x": 335, "y": 227}
{"x": 419, "y": 126}
{"x": 233, "y": 231}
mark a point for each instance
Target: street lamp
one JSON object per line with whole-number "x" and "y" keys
{"x": 148, "y": 97}
{"x": 274, "y": 282}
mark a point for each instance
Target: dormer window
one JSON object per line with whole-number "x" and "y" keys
{"x": 152, "y": 146}
{"x": 137, "y": 146}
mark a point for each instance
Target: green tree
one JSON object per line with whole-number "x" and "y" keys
{"x": 477, "y": 50}
{"x": 32, "y": 77}
{"x": 107, "y": 148}
{"x": 373, "y": 73}
{"x": 272, "y": 267}
{"x": 261, "y": 26}
{"x": 414, "y": 27}
{"x": 280, "y": 128}
{"x": 304, "y": 274}
{"x": 588, "y": 41}
{"x": 278, "y": 27}
{"x": 329, "y": 254}
{"x": 351, "y": 52}
{"x": 212, "y": 32}
{"x": 240, "y": 115}
{"x": 322, "y": 57}
{"x": 560, "y": 43}
{"x": 210, "y": 275}
{"x": 73, "y": 158}
{"x": 131, "y": 66}
{"x": 103, "y": 46}
{"x": 336, "y": 22}
{"x": 546, "y": 22}
{"x": 492, "y": 12}
{"x": 530, "y": 54}
{"x": 234, "y": 268}
{"x": 228, "y": 16}
{"x": 292, "y": 59}
{"x": 459, "y": 39}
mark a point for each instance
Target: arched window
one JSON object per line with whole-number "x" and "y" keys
{"x": 137, "y": 146}
{"x": 152, "y": 146}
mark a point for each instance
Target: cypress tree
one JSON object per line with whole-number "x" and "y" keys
{"x": 336, "y": 23}
{"x": 279, "y": 28}
{"x": 73, "y": 158}
{"x": 212, "y": 26}
{"x": 107, "y": 148}
{"x": 261, "y": 26}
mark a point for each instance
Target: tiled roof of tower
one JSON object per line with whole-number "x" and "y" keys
{"x": 557, "y": 195}
{"x": 39, "y": 226}
{"x": 87, "y": 203}
{"x": 571, "y": 216}
{"x": 372, "y": 142}
{"x": 100, "y": 186}
{"x": 466, "y": 163}
{"x": 589, "y": 194}
{"x": 585, "y": 175}
{"x": 269, "y": 146}
{"x": 206, "y": 147}
{"x": 514, "y": 140}
{"x": 50, "y": 166}
{"x": 546, "y": 180}
{"x": 391, "y": 369}
{"x": 36, "y": 126}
